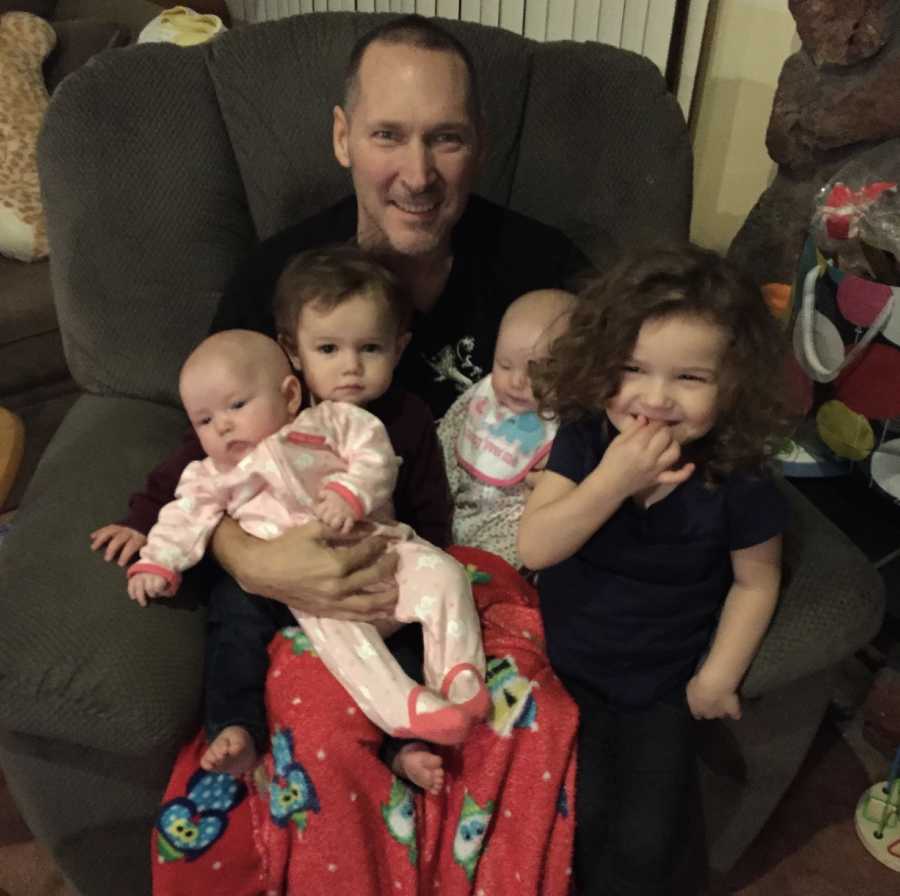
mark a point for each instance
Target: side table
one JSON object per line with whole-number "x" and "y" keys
{"x": 12, "y": 446}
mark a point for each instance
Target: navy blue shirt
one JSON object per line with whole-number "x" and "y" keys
{"x": 632, "y": 611}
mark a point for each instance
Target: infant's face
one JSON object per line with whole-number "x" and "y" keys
{"x": 232, "y": 410}
{"x": 348, "y": 353}
{"x": 518, "y": 343}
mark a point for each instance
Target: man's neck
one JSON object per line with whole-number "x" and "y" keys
{"x": 425, "y": 278}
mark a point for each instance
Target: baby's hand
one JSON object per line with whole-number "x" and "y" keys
{"x": 644, "y": 455}
{"x": 145, "y": 585}
{"x": 335, "y": 512}
{"x": 119, "y": 540}
{"x": 708, "y": 699}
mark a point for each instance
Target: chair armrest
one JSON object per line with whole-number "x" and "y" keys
{"x": 79, "y": 662}
{"x": 832, "y": 602}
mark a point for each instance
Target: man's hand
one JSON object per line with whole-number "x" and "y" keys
{"x": 313, "y": 570}
{"x": 708, "y": 699}
{"x": 335, "y": 512}
{"x": 119, "y": 540}
{"x": 643, "y": 456}
{"x": 144, "y": 586}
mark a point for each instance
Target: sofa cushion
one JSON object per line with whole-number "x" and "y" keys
{"x": 25, "y": 41}
{"x": 30, "y": 344}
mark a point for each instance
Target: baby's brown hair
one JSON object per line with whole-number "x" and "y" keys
{"x": 326, "y": 278}
{"x": 584, "y": 368}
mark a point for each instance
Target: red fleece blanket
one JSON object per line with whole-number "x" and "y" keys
{"x": 329, "y": 818}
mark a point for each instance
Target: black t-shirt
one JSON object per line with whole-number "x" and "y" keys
{"x": 497, "y": 256}
{"x": 631, "y": 613}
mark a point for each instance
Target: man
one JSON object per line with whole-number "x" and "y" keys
{"x": 412, "y": 133}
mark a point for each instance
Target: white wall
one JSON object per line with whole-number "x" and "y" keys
{"x": 746, "y": 44}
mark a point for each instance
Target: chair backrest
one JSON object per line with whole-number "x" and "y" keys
{"x": 162, "y": 166}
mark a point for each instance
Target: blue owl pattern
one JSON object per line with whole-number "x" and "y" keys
{"x": 189, "y": 825}
{"x": 292, "y": 795}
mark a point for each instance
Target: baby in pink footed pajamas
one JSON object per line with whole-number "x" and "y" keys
{"x": 270, "y": 470}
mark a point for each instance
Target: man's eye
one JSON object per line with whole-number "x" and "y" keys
{"x": 630, "y": 368}
{"x": 693, "y": 377}
{"x": 449, "y": 138}
{"x": 327, "y": 349}
{"x": 386, "y": 136}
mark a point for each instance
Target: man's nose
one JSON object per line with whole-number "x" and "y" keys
{"x": 418, "y": 166}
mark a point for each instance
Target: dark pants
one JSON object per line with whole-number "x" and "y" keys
{"x": 635, "y": 773}
{"x": 239, "y": 629}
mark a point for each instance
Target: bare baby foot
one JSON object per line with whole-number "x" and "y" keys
{"x": 233, "y": 752}
{"x": 415, "y": 762}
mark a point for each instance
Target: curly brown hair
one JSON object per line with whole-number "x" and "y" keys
{"x": 329, "y": 276}
{"x": 584, "y": 368}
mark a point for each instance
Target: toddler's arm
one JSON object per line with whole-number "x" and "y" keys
{"x": 748, "y": 609}
{"x": 122, "y": 542}
{"x": 561, "y": 516}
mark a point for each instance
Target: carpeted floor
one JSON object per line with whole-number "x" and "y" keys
{"x": 809, "y": 847}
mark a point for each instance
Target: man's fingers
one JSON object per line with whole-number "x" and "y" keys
{"x": 377, "y": 573}
{"x": 363, "y": 607}
{"x": 359, "y": 555}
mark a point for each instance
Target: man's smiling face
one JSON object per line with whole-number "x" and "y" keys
{"x": 409, "y": 141}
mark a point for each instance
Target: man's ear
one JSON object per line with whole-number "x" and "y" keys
{"x": 293, "y": 393}
{"x": 340, "y": 137}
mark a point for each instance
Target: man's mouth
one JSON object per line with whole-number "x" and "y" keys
{"x": 422, "y": 209}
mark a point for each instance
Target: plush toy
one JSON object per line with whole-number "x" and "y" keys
{"x": 25, "y": 41}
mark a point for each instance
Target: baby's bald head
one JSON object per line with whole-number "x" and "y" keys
{"x": 246, "y": 353}
{"x": 528, "y": 327}
{"x": 237, "y": 388}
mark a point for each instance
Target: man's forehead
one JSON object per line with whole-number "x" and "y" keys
{"x": 383, "y": 61}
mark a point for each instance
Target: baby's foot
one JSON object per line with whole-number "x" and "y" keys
{"x": 233, "y": 752}
{"x": 418, "y": 764}
{"x": 433, "y": 718}
{"x": 464, "y": 687}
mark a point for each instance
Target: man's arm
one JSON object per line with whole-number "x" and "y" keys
{"x": 310, "y": 570}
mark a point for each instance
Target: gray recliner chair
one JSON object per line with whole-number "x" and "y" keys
{"x": 161, "y": 168}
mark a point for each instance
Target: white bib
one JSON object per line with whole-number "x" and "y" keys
{"x": 497, "y": 445}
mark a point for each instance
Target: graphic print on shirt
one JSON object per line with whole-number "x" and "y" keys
{"x": 456, "y": 365}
